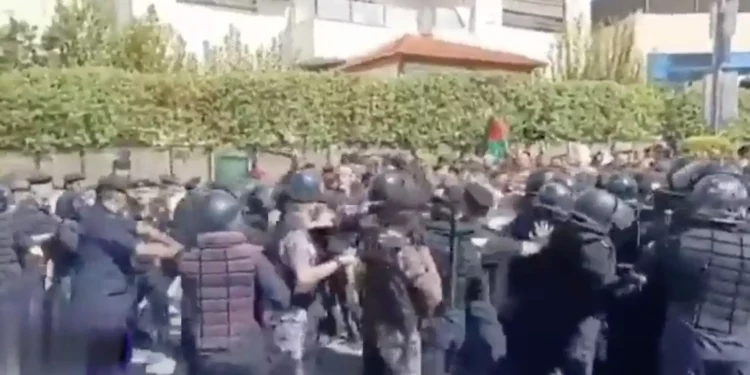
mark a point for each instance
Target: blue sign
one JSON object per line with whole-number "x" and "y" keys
{"x": 687, "y": 67}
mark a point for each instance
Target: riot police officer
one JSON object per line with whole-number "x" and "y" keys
{"x": 525, "y": 225}
{"x": 401, "y": 283}
{"x": 702, "y": 265}
{"x": 558, "y": 290}
{"x": 223, "y": 244}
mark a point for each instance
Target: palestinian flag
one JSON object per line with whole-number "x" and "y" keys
{"x": 497, "y": 138}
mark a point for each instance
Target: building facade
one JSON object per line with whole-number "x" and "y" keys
{"x": 675, "y": 35}
{"x": 308, "y": 30}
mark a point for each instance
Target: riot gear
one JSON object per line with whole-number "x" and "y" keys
{"x": 704, "y": 271}
{"x": 554, "y": 198}
{"x": 384, "y": 182}
{"x": 598, "y": 210}
{"x": 398, "y": 189}
{"x": 719, "y": 198}
{"x": 623, "y": 186}
{"x": 185, "y": 218}
{"x": 304, "y": 187}
{"x": 219, "y": 211}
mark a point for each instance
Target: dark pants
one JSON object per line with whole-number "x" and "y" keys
{"x": 152, "y": 328}
{"x": 101, "y": 320}
{"x": 372, "y": 362}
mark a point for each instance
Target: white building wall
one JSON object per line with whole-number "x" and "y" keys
{"x": 306, "y": 36}
{"x": 35, "y": 12}
{"x": 652, "y": 33}
{"x": 198, "y": 23}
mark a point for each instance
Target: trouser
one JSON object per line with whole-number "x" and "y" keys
{"x": 154, "y": 325}
{"x": 685, "y": 350}
{"x": 295, "y": 336}
{"x": 634, "y": 330}
{"x": 101, "y": 322}
{"x": 539, "y": 354}
{"x": 108, "y": 351}
{"x": 12, "y": 305}
{"x": 372, "y": 362}
{"x": 401, "y": 351}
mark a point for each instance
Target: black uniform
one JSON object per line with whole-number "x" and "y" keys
{"x": 555, "y": 321}
{"x": 703, "y": 265}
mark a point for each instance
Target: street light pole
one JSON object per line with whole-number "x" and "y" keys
{"x": 716, "y": 63}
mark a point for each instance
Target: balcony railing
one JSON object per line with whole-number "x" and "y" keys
{"x": 373, "y": 14}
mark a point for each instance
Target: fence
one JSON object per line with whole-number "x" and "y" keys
{"x": 146, "y": 162}
{"x": 183, "y": 162}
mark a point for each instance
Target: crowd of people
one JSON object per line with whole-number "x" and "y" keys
{"x": 593, "y": 265}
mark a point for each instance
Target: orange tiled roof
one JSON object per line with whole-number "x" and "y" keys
{"x": 422, "y": 46}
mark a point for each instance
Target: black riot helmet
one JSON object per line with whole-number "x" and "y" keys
{"x": 554, "y": 195}
{"x": 304, "y": 187}
{"x": 554, "y": 198}
{"x": 720, "y": 198}
{"x": 386, "y": 182}
{"x": 397, "y": 189}
{"x": 220, "y": 211}
{"x": 600, "y": 211}
{"x": 185, "y": 219}
{"x": 537, "y": 179}
{"x": 623, "y": 186}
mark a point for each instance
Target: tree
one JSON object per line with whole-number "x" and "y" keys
{"x": 18, "y": 46}
{"x": 150, "y": 46}
{"x": 234, "y": 55}
{"x": 81, "y": 34}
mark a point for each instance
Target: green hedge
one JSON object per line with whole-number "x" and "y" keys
{"x": 45, "y": 109}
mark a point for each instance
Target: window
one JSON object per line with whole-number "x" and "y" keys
{"x": 247, "y": 5}
{"x": 533, "y": 22}
{"x": 539, "y": 15}
{"x": 672, "y": 6}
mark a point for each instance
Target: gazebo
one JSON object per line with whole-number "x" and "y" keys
{"x": 417, "y": 53}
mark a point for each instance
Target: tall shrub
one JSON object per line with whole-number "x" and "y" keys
{"x": 604, "y": 53}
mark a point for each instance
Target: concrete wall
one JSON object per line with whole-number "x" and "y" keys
{"x": 691, "y": 33}
{"x": 185, "y": 163}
